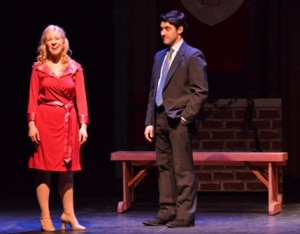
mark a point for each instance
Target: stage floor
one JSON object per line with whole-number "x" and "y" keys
{"x": 224, "y": 213}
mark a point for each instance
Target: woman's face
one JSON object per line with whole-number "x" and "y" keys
{"x": 54, "y": 43}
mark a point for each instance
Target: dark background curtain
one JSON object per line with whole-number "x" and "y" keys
{"x": 115, "y": 42}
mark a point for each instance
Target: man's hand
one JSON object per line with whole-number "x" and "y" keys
{"x": 149, "y": 134}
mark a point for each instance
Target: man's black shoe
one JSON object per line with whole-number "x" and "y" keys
{"x": 177, "y": 223}
{"x": 155, "y": 222}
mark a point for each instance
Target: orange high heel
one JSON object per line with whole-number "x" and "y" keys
{"x": 72, "y": 221}
{"x": 47, "y": 225}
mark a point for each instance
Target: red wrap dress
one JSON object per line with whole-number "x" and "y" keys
{"x": 57, "y": 104}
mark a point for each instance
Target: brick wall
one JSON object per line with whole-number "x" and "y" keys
{"x": 237, "y": 125}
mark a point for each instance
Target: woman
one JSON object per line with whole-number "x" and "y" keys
{"x": 57, "y": 106}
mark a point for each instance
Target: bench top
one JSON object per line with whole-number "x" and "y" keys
{"x": 201, "y": 156}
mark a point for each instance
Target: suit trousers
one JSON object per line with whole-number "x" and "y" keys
{"x": 177, "y": 179}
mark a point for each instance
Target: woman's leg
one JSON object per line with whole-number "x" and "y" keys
{"x": 65, "y": 188}
{"x": 43, "y": 184}
{"x": 43, "y": 181}
{"x": 66, "y": 192}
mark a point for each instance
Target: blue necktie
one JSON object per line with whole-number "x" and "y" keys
{"x": 164, "y": 72}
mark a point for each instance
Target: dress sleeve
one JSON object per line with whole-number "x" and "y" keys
{"x": 33, "y": 95}
{"x": 81, "y": 99}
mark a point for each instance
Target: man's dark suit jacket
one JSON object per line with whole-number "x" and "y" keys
{"x": 186, "y": 85}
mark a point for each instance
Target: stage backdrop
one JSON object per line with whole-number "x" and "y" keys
{"x": 219, "y": 28}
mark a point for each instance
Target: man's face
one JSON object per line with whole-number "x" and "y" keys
{"x": 170, "y": 35}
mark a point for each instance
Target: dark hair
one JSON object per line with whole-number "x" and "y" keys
{"x": 175, "y": 18}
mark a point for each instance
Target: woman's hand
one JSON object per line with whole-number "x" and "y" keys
{"x": 33, "y": 132}
{"x": 83, "y": 133}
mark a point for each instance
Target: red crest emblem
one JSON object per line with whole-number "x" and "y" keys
{"x": 212, "y": 12}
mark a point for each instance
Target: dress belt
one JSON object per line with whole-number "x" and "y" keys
{"x": 67, "y": 138}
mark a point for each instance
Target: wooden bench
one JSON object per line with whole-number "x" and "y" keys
{"x": 257, "y": 162}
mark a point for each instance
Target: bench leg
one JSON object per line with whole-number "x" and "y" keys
{"x": 275, "y": 198}
{"x": 130, "y": 181}
{"x": 272, "y": 183}
{"x": 127, "y": 191}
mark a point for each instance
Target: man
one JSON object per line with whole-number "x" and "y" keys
{"x": 172, "y": 118}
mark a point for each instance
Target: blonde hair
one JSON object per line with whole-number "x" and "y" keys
{"x": 42, "y": 50}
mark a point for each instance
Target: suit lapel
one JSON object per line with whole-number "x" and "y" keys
{"x": 176, "y": 61}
